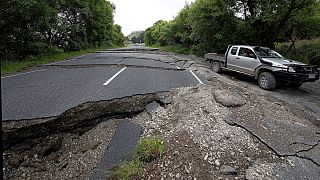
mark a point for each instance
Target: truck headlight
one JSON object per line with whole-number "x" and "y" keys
{"x": 291, "y": 69}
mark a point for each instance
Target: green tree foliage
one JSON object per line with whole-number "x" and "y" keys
{"x": 213, "y": 25}
{"x": 210, "y": 25}
{"x": 149, "y": 40}
{"x": 33, "y": 27}
{"x": 269, "y": 18}
{"x": 117, "y": 36}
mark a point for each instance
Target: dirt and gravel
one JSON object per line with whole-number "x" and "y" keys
{"x": 227, "y": 128}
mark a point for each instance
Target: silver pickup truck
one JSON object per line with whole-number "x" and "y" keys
{"x": 264, "y": 64}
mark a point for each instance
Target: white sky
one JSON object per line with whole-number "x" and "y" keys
{"x": 135, "y": 15}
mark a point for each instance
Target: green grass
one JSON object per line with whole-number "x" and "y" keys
{"x": 12, "y": 66}
{"x": 149, "y": 149}
{"x": 180, "y": 49}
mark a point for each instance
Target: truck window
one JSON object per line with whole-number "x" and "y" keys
{"x": 246, "y": 52}
{"x": 234, "y": 50}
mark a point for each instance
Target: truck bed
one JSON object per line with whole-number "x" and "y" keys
{"x": 214, "y": 56}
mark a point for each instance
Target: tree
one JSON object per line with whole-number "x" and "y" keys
{"x": 213, "y": 26}
{"x": 33, "y": 27}
{"x": 269, "y": 18}
{"x": 117, "y": 36}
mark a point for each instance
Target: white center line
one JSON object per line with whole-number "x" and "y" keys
{"x": 195, "y": 76}
{"x": 23, "y": 73}
{"x": 114, "y": 76}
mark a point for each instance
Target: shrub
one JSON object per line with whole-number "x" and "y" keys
{"x": 307, "y": 51}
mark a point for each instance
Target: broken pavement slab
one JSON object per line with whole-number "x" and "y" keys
{"x": 313, "y": 153}
{"x": 297, "y": 169}
{"x": 286, "y": 139}
{"x": 187, "y": 64}
{"x": 123, "y": 142}
{"x": 152, "y": 107}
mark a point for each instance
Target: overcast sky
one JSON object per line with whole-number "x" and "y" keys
{"x": 135, "y": 15}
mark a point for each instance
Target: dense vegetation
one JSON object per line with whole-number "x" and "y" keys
{"x": 34, "y": 27}
{"x": 210, "y": 25}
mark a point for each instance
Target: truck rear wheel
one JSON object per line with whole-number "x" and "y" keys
{"x": 216, "y": 66}
{"x": 267, "y": 81}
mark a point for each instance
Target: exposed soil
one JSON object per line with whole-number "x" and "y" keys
{"x": 61, "y": 156}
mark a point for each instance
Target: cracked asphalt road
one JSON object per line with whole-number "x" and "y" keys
{"x": 57, "y": 87}
{"x": 228, "y": 128}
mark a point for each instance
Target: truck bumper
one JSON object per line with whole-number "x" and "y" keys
{"x": 296, "y": 77}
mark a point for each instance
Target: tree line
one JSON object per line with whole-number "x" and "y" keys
{"x": 34, "y": 27}
{"x": 210, "y": 25}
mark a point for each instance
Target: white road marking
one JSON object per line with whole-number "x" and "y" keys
{"x": 195, "y": 76}
{"x": 114, "y": 76}
{"x": 23, "y": 73}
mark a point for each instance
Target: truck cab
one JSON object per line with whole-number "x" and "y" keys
{"x": 264, "y": 64}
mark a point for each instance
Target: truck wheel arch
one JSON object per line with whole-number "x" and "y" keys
{"x": 261, "y": 70}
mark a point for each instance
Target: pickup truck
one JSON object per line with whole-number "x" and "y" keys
{"x": 264, "y": 64}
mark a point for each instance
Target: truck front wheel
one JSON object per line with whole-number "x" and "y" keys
{"x": 267, "y": 81}
{"x": 216, "y": 66}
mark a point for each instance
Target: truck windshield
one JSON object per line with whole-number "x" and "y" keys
{"x": 267, "y": 53}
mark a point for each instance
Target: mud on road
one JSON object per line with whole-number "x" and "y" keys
{"x": 227, "y": 128}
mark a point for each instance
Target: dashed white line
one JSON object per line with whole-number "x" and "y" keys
{"x": 195, "y": 76}
{"x": 23, "y": 73}
{"x": 114, "y": 76}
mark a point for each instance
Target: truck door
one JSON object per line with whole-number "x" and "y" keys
{"x": 231, "y": 57}
{"x": 246, "y": 61}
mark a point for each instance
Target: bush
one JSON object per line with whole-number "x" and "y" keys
{"x": 307, "y": 51}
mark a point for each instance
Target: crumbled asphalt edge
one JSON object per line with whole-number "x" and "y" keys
{"x": 78, "y": 119}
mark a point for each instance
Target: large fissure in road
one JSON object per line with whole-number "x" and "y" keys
{"x": 36, "y": 145}
{"x": 78, "y": 119}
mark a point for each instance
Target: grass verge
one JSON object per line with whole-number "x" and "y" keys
{"x": 149, "y": 149}
{"x": 9, "y": 67}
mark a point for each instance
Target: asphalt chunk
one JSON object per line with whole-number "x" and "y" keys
{"x": 125, "y": 138}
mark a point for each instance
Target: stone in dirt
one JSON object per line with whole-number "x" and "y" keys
{"x": 152, "y": 107}
{"x": 228, "y": 170}
{"x": 15, "y": 160}
{"x": 228, "y": 98}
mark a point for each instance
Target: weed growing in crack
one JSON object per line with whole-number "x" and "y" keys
{"x": 148, "y": 150}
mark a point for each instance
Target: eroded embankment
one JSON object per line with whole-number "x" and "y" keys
{"x": 70, "y": 145}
